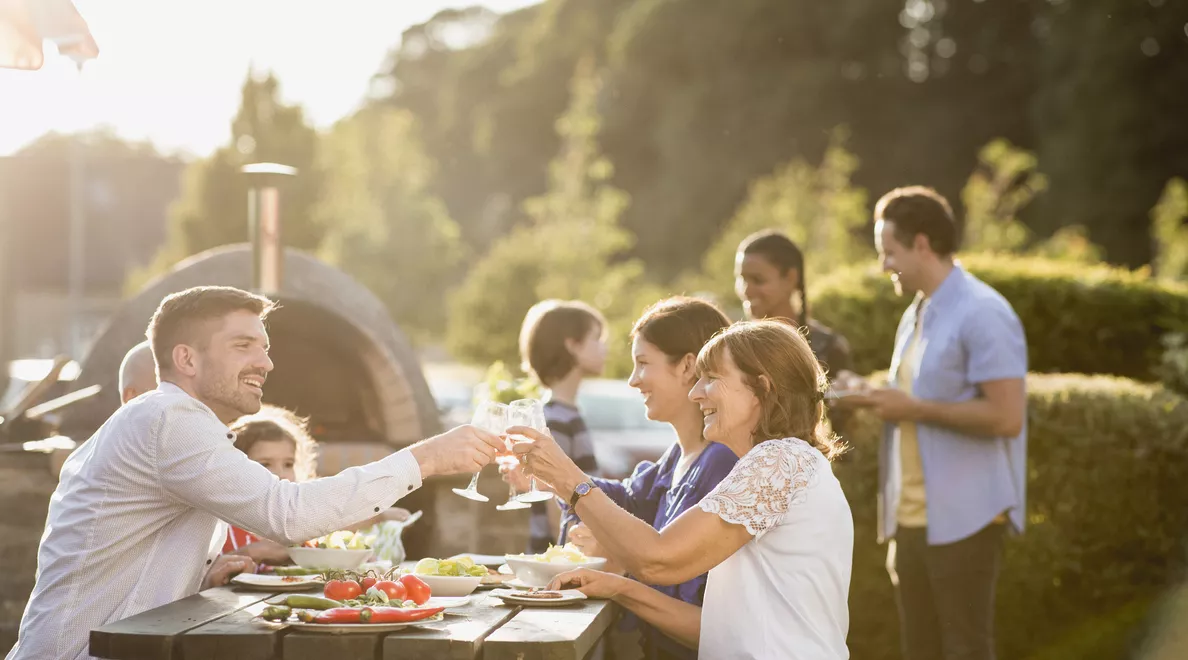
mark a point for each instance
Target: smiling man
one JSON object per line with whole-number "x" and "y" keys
{"x": 136, "y": 519}
{"x": 953, "y": 463}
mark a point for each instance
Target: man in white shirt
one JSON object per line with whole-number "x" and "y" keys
{"x": 136, "y": 518}
{"x": 138, "y": 372}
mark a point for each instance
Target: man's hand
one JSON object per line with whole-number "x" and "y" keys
{"x": 893, "y": 405}
{"x": 457, "y": 451}
{"x": 226, "y": 567}
{"x": 265, "y": 552}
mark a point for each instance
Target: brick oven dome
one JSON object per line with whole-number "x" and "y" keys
{"x": 339, "y": 358}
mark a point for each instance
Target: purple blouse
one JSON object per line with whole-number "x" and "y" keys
{"x": 650, "y": 495}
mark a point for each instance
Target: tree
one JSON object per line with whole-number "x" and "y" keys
{"x": 380, "y": 222}
{"x": 1003, "y": 184}
{"x": 571, "y": 247}
{"x": 819, "y": 208}
{"x": 213, "y": 208}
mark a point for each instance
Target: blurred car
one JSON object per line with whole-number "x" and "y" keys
{"x": 614, "y": 411}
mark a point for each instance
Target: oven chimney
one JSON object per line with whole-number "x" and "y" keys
{"x": 264, "y": 180}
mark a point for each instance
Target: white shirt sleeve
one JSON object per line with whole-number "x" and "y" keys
{"x": 198, "y": 464}
{"x": 763, "y": 485}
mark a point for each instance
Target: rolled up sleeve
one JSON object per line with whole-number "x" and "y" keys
{"x": 199, "y": 465}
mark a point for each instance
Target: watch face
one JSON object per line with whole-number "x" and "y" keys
{"x": 583, "y": 488}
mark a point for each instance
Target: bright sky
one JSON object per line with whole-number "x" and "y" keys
{"x": 170, "y": 70}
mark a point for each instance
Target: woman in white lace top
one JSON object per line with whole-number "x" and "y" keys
{"x": 776, "y": 534}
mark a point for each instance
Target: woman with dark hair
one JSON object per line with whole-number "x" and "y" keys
{"x": 769, "y": 277}
{"x": 776, "y": 535}
{"x": 665, "y": 342}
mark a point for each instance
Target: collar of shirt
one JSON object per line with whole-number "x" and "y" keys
{"x": 170, "y": 388}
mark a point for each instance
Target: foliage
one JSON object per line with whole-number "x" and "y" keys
{"x": 1173, "y": 364}
{"x": 1004, "y": 183}
{"x": 571, "y": 247}
{"x": 213, "y": 208}
{"x": 501, "y": 385}
{"x": 1078, "y": 318}
{"x": 1169, "y": 231}
{"x": 704, "y": 98}
{"x": 380, "y": 222}
{"x": 818, "y": 207}
{"x": 1105, "y": 456}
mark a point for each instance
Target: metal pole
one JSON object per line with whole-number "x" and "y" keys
{"x": 76, "y": 260}
{"x": 264, "y": 224}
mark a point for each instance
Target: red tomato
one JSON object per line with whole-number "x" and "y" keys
{"x": 396, "y": 591}
{"x": 368, "y": 582}
{"x": 418, "y": 591}
{"x": 341, "y": 590}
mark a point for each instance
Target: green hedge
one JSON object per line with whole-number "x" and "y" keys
{"x": 1107, "y": 482}
{"x": 1078, "y": 319}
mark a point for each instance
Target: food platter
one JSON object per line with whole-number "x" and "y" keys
{"x": 539, "y": 598}
{"x": 277, "y": 582}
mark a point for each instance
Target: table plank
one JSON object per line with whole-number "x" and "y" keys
{"x": 560, "y": 633}
{"x": 155, "y": 634}
{"x": 300, "y": 645}
{"x": 459, "y": 637}
{"x": 234, "y": 637}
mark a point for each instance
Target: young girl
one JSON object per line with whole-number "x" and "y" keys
{"x": 280, "y": 441}
{"x": 562, "y": 343}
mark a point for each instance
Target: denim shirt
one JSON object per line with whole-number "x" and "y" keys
{"x": 969, "y": 335}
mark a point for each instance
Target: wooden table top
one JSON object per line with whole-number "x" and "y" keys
{"x": 217, "y": 624}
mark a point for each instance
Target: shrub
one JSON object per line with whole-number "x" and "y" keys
{"x": 1106, "y": 464}
{"x": 1078, "y": 318}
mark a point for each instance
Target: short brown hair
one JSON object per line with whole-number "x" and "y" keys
{"x": 173, "y": 322}
{"x": 680, "y": 325}
{"x": 273, "y": 423}
{"x": 547, "y": 326}
{"x": 920, "y": 210}
{"x": 792, "y": 406}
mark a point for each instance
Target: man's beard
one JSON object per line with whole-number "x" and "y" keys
{"x": 229, "y": 396}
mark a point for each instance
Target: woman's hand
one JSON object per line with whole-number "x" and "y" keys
{"x": 544, "y": 459}
{"x": 515, "y": 476}
{"x": 594, "y": 584}
{"x": 583, "y": 538}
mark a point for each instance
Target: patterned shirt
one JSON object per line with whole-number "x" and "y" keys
{"x": 569, "y": 430}
{"x": 136, "y": 518}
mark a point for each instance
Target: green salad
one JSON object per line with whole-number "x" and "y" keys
{"x": 458, "y": 567}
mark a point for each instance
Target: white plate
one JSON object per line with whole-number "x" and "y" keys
{"x": 482, "y": 560}
{"x": 278, "y": 582}
{"x": 447, "y": 602}
{"x": 511, "y": 597}
{"x": 347, "y": 628}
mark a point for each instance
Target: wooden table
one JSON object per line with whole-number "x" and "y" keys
{"x": 216, "y": 624}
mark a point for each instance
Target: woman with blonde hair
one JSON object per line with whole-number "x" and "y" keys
{"x": 776, "y": 535}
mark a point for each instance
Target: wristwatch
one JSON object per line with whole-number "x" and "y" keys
{"x": 583, "y": 488}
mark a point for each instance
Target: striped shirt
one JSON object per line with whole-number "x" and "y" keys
{"x": 136, "y": 518}
{"x": 569, "y": 430}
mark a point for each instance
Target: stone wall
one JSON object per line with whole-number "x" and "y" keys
{"x": 26, "y": 483}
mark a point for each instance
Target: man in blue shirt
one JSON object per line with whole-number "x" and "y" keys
{"x": 952, "y": 465}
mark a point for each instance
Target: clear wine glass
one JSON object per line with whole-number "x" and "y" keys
{"x": 510, "y": 462}
{"x": 491, "y": 416}
{"x": 530, "y": 413}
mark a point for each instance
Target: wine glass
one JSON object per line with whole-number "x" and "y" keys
{"x": 491, "y": 416}
{"x": 530, "y": 413}
{"x": 510, "y": 462}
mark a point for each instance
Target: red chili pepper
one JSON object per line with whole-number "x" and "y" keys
{"x": 344, "y": 615}
{"x": 402, "y": 615}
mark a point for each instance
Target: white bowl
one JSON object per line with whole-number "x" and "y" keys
{"x": 450, "y": 586}
{"x": 540, "y": 573}
{"x": 328, "y": 557}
